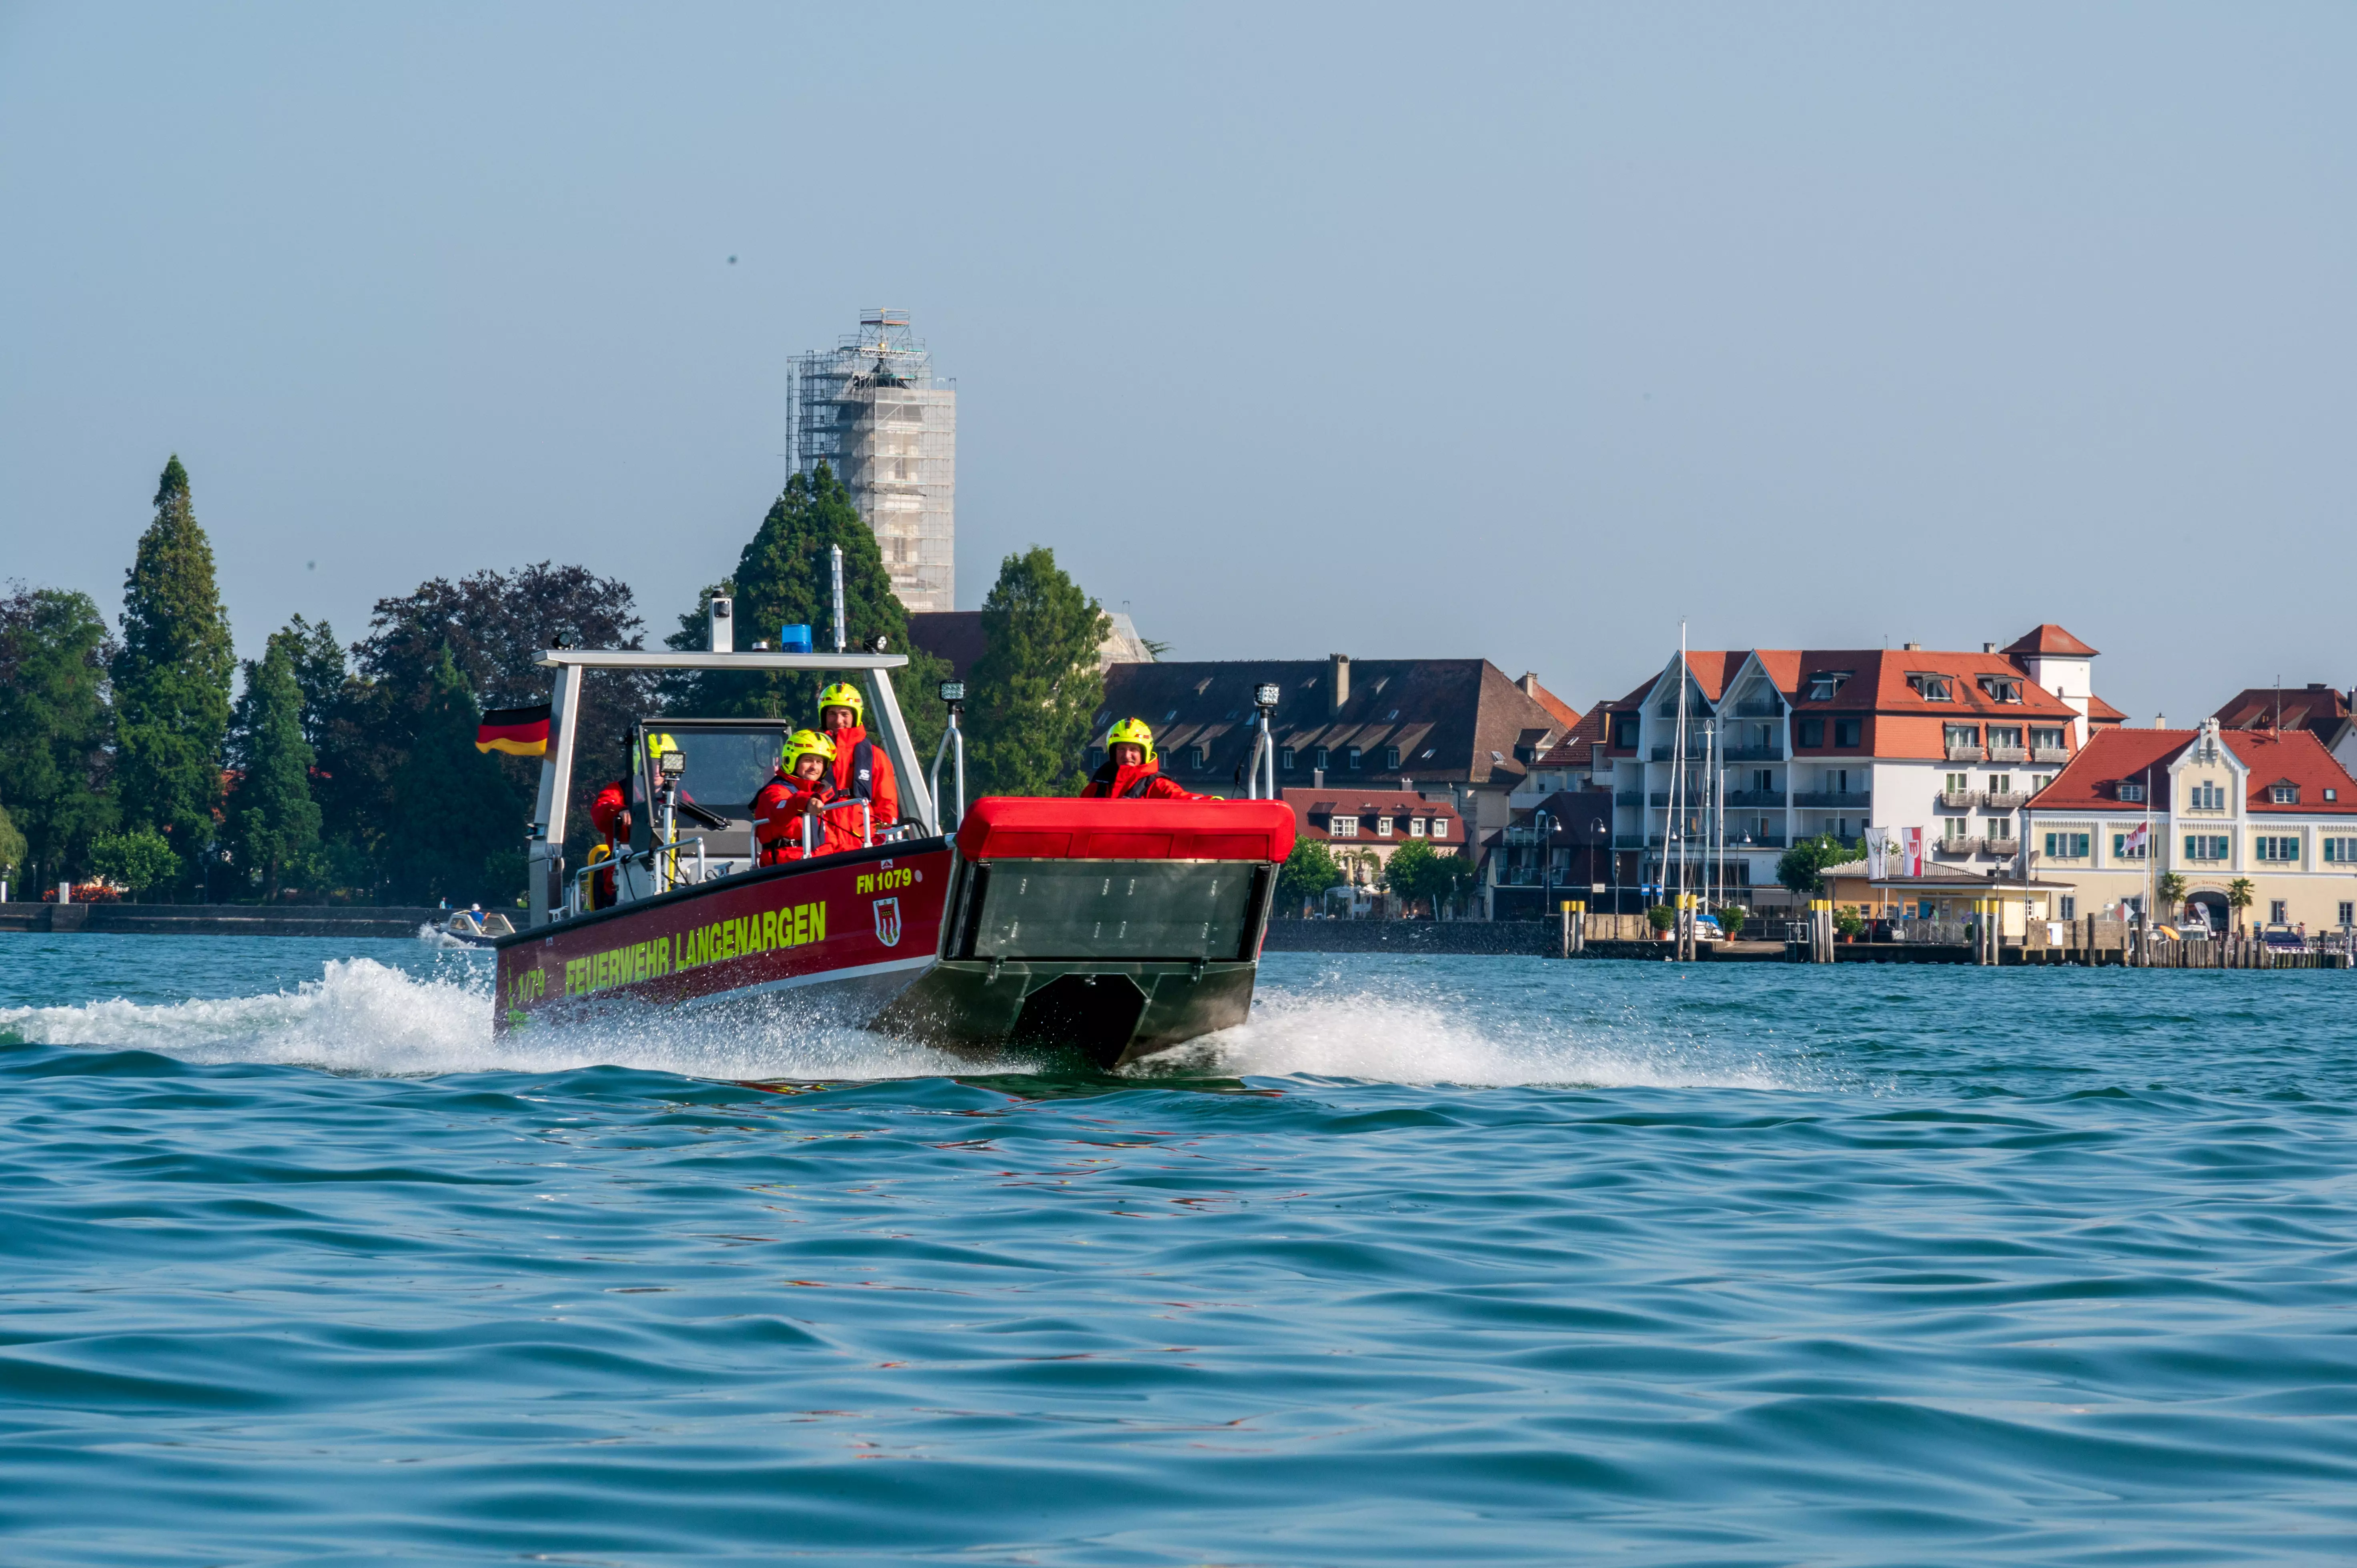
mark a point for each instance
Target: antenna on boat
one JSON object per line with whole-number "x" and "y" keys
{"x": 837, "y": 550}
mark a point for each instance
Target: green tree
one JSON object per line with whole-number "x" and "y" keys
{"x": 1801, "y": 867}
{"x": 2171, "y": 888}
{"x": 1036, "y": 688}
{"x": 140, "y": 859}
{"x": 1306, "y": 875}
{"x": 1421, "y": 874}
{"x": 273, "y": 822}
{"x": 172, "y": 679}
{"x": 2240, "y": 896}
{"x": 55, "y": 727}
{"x": 785, "y": 576}
{"x": 11, "y": 848}
{"x": 456, "y": 820}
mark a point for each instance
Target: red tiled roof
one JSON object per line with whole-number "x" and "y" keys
{"x": 1578, "y": 748}
{"x": 2113, "y": 757}
{"x": 1877, "y": 683}
{"x": 1548, "y": 699}
{"x": 2319, "y": 709}
{"x": 2102, "y": 713}
{"x": 2052, "y": 639}
{"x": 1396, "y": 803}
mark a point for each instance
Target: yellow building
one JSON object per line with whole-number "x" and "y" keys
{"x": 2269, "y": 816}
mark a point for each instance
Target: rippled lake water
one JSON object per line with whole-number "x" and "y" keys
{"x": 1437, "y": 1260}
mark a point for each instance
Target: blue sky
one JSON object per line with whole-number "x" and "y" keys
{"x": 1519, "y": 332}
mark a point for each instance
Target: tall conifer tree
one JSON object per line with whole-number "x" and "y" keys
{"x": 272, "y": 820}
{"x": 786, "y": 577}
{"x": 1036, "y": 686}
{"x": 172, "y": 678}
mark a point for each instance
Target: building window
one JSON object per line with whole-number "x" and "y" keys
{"x": 1825, "y": 683}
{"x": 2131, "y": 792}
{"x": 1197, "y": 759}
{"x": 2279, "y": 849}
{"x": 2348, "y": 913}
{"x": 2284, "y": 794}
{"x": 1351, "y": 758}
{"x": 1344, "y": 827}
{"x": 1391, "y": 756}
{"x": 2005, "y": 734}
{"x": 1441, "y": 827}
{"x": 2333, "y": 794}
{"x": 1625, "y": 731}
{"x": 2066, "y": 847}
{"x": 1285, "y": 757}
{"x": 2045, "y": 739}
{"x": 2123, "y": 850}
{"x": 1416, "y": 827}
{"x": 1383, "y": 827}
{"x": 1956, "y": 828}
{"x": 2279, "y": 911}
{"x": 2206, "y": 798}
{"x": 1961, "y": 736}
{"x": 1763, "y": 780}
{"x": 2000, "y": 783}
{"x": 1813, "y": 732}
{"x": 1958, "y": 783}
{"x": 2000, "y": 689}
{"x": 2070, "y": 908}
{"x": 1930, "y": 688}
{"x": 1846, "y": 731}
{"x": 2205, "y": 847}
{"x": 1323, "y": 758}
{"x": 2340, "y": 852}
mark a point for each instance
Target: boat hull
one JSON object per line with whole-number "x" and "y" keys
{"x": 1116, "y": 930}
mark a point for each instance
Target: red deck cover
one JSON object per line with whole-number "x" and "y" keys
{"x": 1012, "y": 827}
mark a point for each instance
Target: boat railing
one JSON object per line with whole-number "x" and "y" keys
{"x": 575, "y": 894}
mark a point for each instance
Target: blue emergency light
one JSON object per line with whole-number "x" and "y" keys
{"x": 795, "y": 639}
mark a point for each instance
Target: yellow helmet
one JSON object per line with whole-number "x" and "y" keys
{"x": 841, "y": 695}
{"x": 659, "y": 742}
{"x": 802, "y": 743}
{"x": 1131, "y": 732}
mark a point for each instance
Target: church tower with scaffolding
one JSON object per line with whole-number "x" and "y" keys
{"x": 870, "y": 409}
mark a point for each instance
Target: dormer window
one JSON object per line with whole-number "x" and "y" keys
{"x": 1826, "y": 684}
{"x": 1930, "y": 688}
{"x": 2131, "y": 792}
{"x": 2284, "y": 794}
{"x": 1625, "y": 731}
{"x": 2001, "y": 690}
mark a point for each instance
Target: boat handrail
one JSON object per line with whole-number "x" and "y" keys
{"x": 651, "y": 855}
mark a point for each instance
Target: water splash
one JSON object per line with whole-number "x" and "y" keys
{"x": 368, "y": 1018}
{"x": 1379, "y": 1037}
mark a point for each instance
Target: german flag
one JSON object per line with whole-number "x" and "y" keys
{"x": 519, "y": 732}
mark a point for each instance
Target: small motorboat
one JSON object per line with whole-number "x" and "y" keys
{"x": 1112, "y": 929}
{"x": 468, "y": 929}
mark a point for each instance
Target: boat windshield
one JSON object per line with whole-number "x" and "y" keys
{"x": 726, "y": 767}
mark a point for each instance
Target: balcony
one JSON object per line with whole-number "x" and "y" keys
{"x": 1960, "y": 800}
{"x": 2049, "y": 754}
{"x": 1963, "y": 751}
{"x": 1960, "y": 845}
{"x": 1773, "y": 752}
{"x": 1774, "y": 839}
{"x": 1628, "y": 841}
{"x": 1758, "y": 709}
{"x": 1756, "y": 798}
{"x": 1834, "y": 800}
{"x": 1996, "y": 846}
{"x": 2006, "y": 799}
{"x": 2007, "y": 754}
{"x": 1628, "y": 797}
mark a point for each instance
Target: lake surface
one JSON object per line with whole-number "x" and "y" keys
{"x": 1437, "y": 1260}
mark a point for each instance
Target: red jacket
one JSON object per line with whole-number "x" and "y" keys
{"x": 1143, "y": 782}
{"x": 784, "y": 803}
{"x": 880, "y": 789}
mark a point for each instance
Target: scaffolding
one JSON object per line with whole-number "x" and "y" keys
{"x": 870, "y": 409}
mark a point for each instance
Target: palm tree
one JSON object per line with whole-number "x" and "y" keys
{"x": 2239, "y": 898}
{"x": 2171, "y": 887}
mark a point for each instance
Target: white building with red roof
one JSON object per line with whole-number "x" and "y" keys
{"x": 2270, "y": 808}
{"x": 1781, "y": 745}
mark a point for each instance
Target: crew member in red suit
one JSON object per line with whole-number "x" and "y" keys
{"x": 862, "y": 771}
{"x": 800, "y": 791}
{"x": 1131, "y": 770}
{"x": 609, "y": 814}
